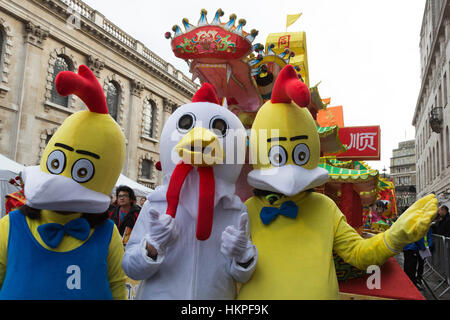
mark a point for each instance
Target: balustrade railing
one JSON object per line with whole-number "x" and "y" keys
{"x": 149, "y": 55}
{"x": 78, "y": 6}
{"x": 119, "y": 34}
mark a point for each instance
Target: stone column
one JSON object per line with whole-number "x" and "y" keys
{"x": 133, "y": 133}
{"x": 29, "y": 99}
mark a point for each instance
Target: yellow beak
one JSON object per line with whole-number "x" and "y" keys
{"x": 200, "y": 147}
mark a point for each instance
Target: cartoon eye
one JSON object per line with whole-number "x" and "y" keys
{"x": 82, "y": 171}
{"x": 219, "y": 126}
{"x": 186, "y": 122}
{"x": 277, "y": 156}
{"x": 56, "y": 162}
{"x": 301, "y": 154}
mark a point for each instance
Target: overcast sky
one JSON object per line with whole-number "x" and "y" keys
{"x": 365, "y": 53}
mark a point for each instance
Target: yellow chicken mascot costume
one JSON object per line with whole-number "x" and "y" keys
{"x": 296, "y": 229}
{"x": 62, "y": 245}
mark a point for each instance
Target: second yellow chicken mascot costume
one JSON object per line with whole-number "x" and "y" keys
{"x": 62, "y": 245}
{"x": 296, "y": 229}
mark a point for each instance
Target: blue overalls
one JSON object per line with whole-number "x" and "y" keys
{"x": 35, "y": 273}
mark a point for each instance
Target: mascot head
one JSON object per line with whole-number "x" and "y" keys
{"x": 198, "y": 152}
{"x": 84, "y": 158}
{"x": 284, "y": 143}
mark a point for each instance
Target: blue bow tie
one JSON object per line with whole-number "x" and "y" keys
{"x": 287, "y": 209}
{"x": 53, "y": 233}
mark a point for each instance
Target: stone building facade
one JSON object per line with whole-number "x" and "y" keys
{"x": 403, "y": 173}
{"x": 432, "y": 114}
{"x": 39, "y": 38}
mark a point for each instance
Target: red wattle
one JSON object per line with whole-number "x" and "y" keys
{"x": 205, "y": 203}
{"x": 179, "y": 174}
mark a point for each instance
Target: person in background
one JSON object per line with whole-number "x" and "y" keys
{"x": 113, "y": 199}
{"x": 142, "y": 201}
{"x": 428, "y": 241}
{"x": 441, "y": 225}
{"x": 112, "y": 204}
{"x": 126, "y": 212}
{"x": 413, "y": 261}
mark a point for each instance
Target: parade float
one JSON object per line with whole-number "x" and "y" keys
{"x": 16, "y": 199}
{"x": 243, "y": 74}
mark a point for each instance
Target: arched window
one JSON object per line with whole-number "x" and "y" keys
{"x": 442, "y": 151}
{"x": 438, "y": 164}
{"x": 419, "y": 144}
{"x": 149, "y": 123}
{"x": 430, "y": 167}
{"x": 422, "y": 177}
{"x": 62, "y": 63}
{"x": 47, "y": 138}
{"x": 433, "y": 169}
{"x": 2, "y": 40}
{"x": 447, "y": 145}
{"x": 112, "y": 99}
{"x": 423, "y": 138}
{"x": 418, "y": 176}
{"x": 424, "y": 184}
{"x": 147, "y": 169}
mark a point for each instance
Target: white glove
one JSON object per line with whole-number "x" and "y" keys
{"x": 236, "y": 243}
{"x": 163, "y": 231}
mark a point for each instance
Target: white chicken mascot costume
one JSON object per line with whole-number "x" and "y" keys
{"x": 191, "y": 240}
{"x": 296, "y": 229}
{"x": 62, "y": 245}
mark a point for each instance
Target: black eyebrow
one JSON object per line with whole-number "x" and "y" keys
{"x": 64, "y": 146}
{"x": 299, "y": 138}
{"x": 276, "y": 139}
{"x": 87, "y": 153}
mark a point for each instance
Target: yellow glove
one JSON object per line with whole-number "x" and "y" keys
{"x": 412, "y": 225}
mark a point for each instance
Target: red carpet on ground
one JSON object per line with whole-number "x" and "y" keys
{"x": 395, "y": 284}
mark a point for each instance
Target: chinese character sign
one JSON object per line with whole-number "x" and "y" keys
{"x": 283, "y": 41}
{"x": 363, "y": 143}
